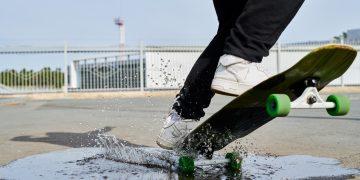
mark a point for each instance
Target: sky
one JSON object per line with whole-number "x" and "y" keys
{"x": 155, "y": 22}
{"x": 161, "y": 22}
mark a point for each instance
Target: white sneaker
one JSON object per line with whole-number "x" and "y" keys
{"x": 235, "y": 75}
{"x": 174, "y": 130}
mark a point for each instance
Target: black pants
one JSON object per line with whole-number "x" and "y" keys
{"x": 247, "y": 29}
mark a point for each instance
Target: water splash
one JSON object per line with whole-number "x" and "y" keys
{"x": 150, "y": 157}
{"x": 93, "y": 163}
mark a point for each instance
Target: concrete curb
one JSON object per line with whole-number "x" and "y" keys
{"x": 91, "y": 95}
{"x": 131, "y": 94}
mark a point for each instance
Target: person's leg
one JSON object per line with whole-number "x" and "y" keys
{"x": 249, "y": 33}
{"x": 196, "y": 93}
{"x": 247, "y": 30}
{"x": 256, "y": 30}
{"x": 259, "y": 26}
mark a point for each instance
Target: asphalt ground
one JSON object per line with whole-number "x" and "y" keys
{"x": 37, "y": 126}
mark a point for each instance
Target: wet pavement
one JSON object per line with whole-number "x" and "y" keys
{"x": 31, "y": 127}
{"x": 91, "y": 163}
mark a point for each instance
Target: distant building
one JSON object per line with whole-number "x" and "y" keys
{"x": 353, "y": 35}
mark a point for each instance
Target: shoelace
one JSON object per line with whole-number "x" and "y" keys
{"x": 182, "y": 132}
{"x": 261, "y": 68}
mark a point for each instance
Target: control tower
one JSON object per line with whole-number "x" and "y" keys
{"x": 119, "y": 22}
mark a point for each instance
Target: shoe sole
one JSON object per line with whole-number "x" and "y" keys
{"x": 221, "y": 92}
{"x": 162, "y": 146}
{"x": 233, "y": 88}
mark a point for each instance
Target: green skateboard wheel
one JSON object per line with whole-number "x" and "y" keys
{"x": 186, "y": 165}
{"x": 278, "y": 105}
{"x": 235, "y": 162}
{"x": 342, "y": 105}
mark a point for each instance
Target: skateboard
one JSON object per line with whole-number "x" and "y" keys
{"x": 297, "y": 87}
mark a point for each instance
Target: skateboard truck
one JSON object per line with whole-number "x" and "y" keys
{"x": 279, "y": 105}
{"x": 311, "y": 99}
{"x": 187, "y": 165}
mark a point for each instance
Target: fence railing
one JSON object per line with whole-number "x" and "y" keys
{"x": 106, "y": 73}
{"x": 142, "y": 68}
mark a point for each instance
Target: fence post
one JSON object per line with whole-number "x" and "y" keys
{"x": 278, "y": 57}
{"x": 342, "y": 76}
{"x": 75, "y": 75}
{"x": 141, "y": 66}
{"x": 65, "y": 67}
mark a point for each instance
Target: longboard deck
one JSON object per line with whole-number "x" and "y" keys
{"x": 247, "y": 112}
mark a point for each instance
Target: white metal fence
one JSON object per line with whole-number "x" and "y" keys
{"x": 142, "y": 68}
{"x": 168, "y": 68}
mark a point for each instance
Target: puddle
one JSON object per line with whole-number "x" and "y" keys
{"x": 95, "y": 163}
